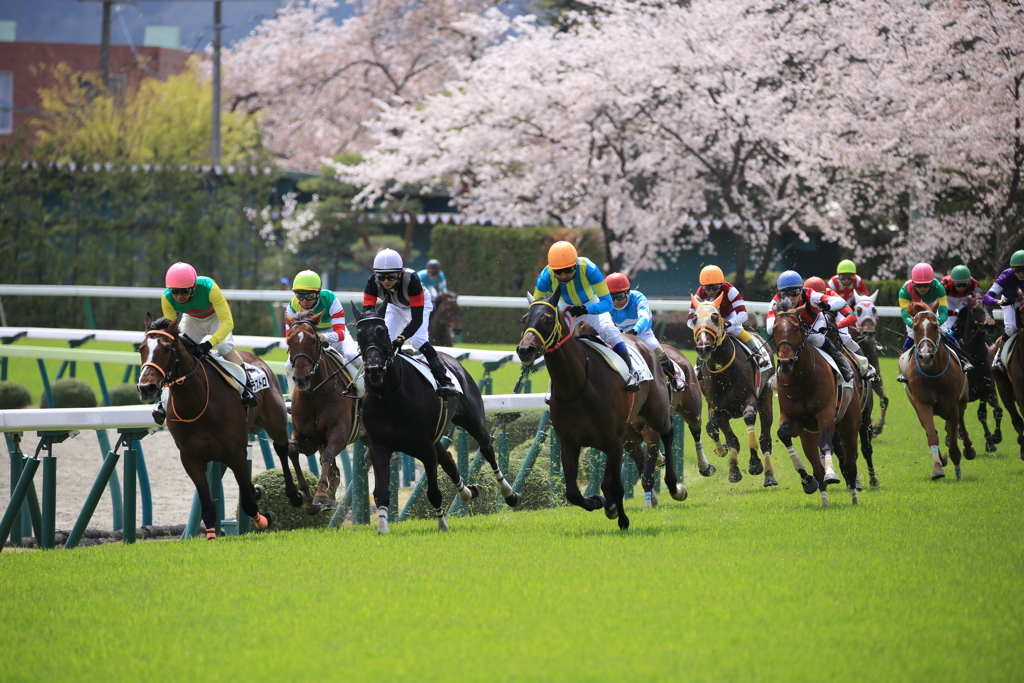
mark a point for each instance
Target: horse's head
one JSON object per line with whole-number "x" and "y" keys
{"x": 304, "y": 346}
{"x": 448, "y": 308}
{"x": 543, "y": 327}
{"x": 790, "y": 338}
{"x": 980, "y": 315}
{"x": 709, "y": 327}
{"x": 160, "y": 358}
{"x": 926, "y": 333}
{"x": 867, "y": 314}
{"x": 374, "y": 345}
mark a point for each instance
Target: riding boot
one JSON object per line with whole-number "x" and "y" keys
{"x": 159, "y": 414}
{"x": 444, "y": 385}
{"x": 249, "y": 398}
{"x": 951, "y": 343}
{"x": 867, "y": 371}
{"x": 997, "y": 362}
{"x": 841, "y": 363}
{"x": 762, "y": 362}
{"x": 677, "y": 381}
{"x": 631, "y": 384}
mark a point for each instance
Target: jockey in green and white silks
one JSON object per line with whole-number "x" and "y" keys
{"x": 584, "y": 295}
{"x": 310, "y": 296}
{"x": 925, "y": 288}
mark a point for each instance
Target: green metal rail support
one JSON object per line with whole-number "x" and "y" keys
{"x": 630, "y": 475}
{"x": 46, "y": 531}
{"x": 531, "y": 455}
{"x": 679, "y": 445}
{"x": 486, "y": 383}
{"x": 29, "y": 517}
{"x": 3, "y": 361}
{"x": 360, "y": 486}
{"x": 115, "y": 483}
{"x": 556, "y": 475}
{"x": 598, "y": 461}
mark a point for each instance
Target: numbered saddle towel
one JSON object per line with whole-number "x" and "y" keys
{"x": 844, "y": 390}
{"x": 640, "y": 369}
{"x": 420, "y": 364}
{"x": 237, "y": 377}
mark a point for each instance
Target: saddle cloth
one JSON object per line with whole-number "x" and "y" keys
{"x": 640, "y": 369}
{"x": 844, "y": 391}
{"x": 1007, "y": 349}
{"x": 420, "y": 364}
{"x": 237, "y": 376}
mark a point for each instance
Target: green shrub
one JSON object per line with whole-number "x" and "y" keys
{"x": 275, "y": 500}
{"x": 14, "y": 396}
{"x": 70, "y": 392}
{"x": 124, "y": 395}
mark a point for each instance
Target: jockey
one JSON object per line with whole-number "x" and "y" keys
{"x": 309, "y": 296}
{"x": 205, "y": 319}
{"x": 1008, "y": 292}
{"x": 631, "y": 313}
{"x": 845, "y": 319}
{"x": 924, "y": 287}
{"x": 406, "y": 310}
{"x": 960, "y": 287}
{"x": 846, "y": 283}
{"x": 584, "y": 295}
{"x": 733, "y": 310}
{"x": 433, "y": 279}
{"x": 791, "y": 293}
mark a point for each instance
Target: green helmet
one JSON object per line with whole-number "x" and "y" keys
{"x": 1018, "y": 258}
{"x": 305, "y": 281}
{"x": 846, "y": 266}
{"x": 960, "y": 274}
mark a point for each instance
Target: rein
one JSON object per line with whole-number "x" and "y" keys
{"x": 797, "y": 350}
{"x": 724, "y": 367}
{"x": 316, "y": 362}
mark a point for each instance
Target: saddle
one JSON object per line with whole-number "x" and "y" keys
{"x": 640, "y": 369}
{"x": 420, "y": 365}
{"x": 236, "y": 376}
{"x": 1006, "y": 350}
{"x": 761, "y": 377}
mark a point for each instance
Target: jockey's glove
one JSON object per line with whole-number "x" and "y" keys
{"x": 576, "y": 311}
{"x": 203, "y": 349}
{"x": 633, "y": 331}
{"x": 397, "y": 344}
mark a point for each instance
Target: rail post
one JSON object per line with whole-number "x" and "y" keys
{"x": 393, "y": 485}
{"x": 630, "y": 474}
{"x": 678, "y": 445}
{"x": 531, "y": 455}
{"x": 598, "y": 461}
{"x": 130, "y": 474}
{"x": 114, "y": 482}
{"x": 556, "y": 475}
{"x": 360, "y": 486}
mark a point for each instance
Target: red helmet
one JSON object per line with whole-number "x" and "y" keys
{"x": 815, "y": 283}
{"x": 617, "y": 282}
{"x": 922, "y": 274}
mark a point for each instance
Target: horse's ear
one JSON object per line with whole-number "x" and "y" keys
{"x": 555, "y": 295}
{"x": 874, "y": 295}
{"x": 529, "y": 298}
{"x": 173, "y": 327}
{"x": 379, "y": 311}
{"x": 718, "y": 300}
{"x": 316, "y": 318}
{"x": 289, "y": 320}
{"x": 149, "y": 320}
{"x": 693, "y": 302}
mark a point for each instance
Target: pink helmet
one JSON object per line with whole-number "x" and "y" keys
{"x": 180, "y": 275}
{"x": 922, "y": 274}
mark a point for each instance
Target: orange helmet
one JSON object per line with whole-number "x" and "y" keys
{"x": 711, "y": 275}
{"x": 562, "y": 255}
{"x": 815, "y": 283}
{"x": 617, "y": 282}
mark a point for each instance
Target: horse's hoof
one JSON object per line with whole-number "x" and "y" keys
{"x": 442, "y": 524}
{"x": 734, "y": 473}
{"x": 831, "y": 478}
{"x": 853, "y": 497}
{"x": 809, "y": 483}
{"x": 321, "y": 499}
{"x": 769, "y": 479}
{"x": 755, "y": 467}
{"x": 680, "y": 493}
{"x": 271, "y": 518}
{"x": 313, "y": 509}
{"x": 623, "y": 523}
{"x": 876, "y": 430}
{"x": 721, "y": 450}
{"x": 857, "y": 484}
{"x": 708, "y": 472}
{"x": 990, "y": 446}
{"x": 298, "y": 500}
{"x": 661, "y": 460}
{"x": 874, "y": 481}
{"x": 513, "y": 500}
{"x": 612, "y": 511}
{"x": 937, "y": 474}
{"x": 970, "y": 453}
{"x": 824, "y": 499}
{"x": 958, "y": 474}
{"x": 943, "y": 460}
{"x": 259, "y": 491}
{"x": 997, "y": 437}
{"x": 599, "y": 502}
{"x": 476, "y": 489}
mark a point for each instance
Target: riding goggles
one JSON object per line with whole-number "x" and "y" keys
{"x": 712, "y": 288}
{"x": 565, "y": 271}
{"x": 180, "y": 291}
{"x": 1016, "y": 269}
{"x": 387, "y": 277}
{"x": 307, "y": 296}
{"x": 846, "y": 278}
{"x": 619, "y": 296}
{"x": 790, "y": 291}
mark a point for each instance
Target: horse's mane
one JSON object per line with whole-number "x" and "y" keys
{"x": 302, "y": 315}
{"x": 160, "y": 324}
{"x": 916, "y": 307}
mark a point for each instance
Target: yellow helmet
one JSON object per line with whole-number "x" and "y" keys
{"x": 307, "y": 280}
{"x": 711, "y": 275}
{"x": 846, "y": 266}
{"x": 562, "y": 255}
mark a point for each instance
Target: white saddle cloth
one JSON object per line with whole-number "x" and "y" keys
{"x": 420, "y": 364}
{"x": 640, "y": 369}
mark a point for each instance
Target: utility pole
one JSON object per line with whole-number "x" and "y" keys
{"x": 215, "y": 146}
{"x": 105, "y": 46}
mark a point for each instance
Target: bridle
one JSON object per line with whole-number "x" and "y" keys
{"x": 714, "y": 331}
{"x": 316, "y": 361}
{"x": 548, "y": 345}
{"x": 385, "y": 350}
{"x": 936, "y": 343}
{"x": 167, "y": 380}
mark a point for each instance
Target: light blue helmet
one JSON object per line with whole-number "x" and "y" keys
{"x": 789, "y": 278}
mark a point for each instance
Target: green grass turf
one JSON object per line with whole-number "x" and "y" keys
{"x": 924, "y": 581}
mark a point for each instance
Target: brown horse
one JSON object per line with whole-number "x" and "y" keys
{"x": 972, "y": 323}
{"x": 322, "y": 416}
{"x": 591, "y": 407}
{"x": 729, "y": 388}
{"x": 690, "y": 405}
{"x": 446, "y": 320}
{"x": 207, "y": 420}
{"x": 1010, "y": 384}
{"x": 936, "y": 386}
{"x": 864, "y": 334}
{"x": 808, "y": 409}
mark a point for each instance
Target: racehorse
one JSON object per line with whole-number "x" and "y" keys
{"x": 864, "y": 334}
{"x": 446, "y": 320}
{"x": 729, "y": 388}
{"x": 808, "y": 406}
{"x": 936, "y": 386}
{"x": 208, "y": 422}
{"x": 1011, "y": 383}
{"x": 591, "y": 407}
{"x": 402, "y": 412}
{"x": 690, "y": 405}
{"x": 972, "y": 323}
{"x": 323, "y": 418}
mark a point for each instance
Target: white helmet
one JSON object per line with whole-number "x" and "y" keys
{"x": 387, "y": 260}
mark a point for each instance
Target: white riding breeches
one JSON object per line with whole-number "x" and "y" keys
{"x": 603, "y": 323}
{"x": 199, "y": 329}
{"x": 649, "y": 338}
{"x": 397, "y": 318}
{"x": 1009, "y": 320}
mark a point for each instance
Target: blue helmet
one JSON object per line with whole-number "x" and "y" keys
{"x": 789, "y": 278}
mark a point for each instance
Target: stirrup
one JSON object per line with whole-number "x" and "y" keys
{"x": 967, "y": 365}
{"x": 678, "y": 384}
{"x": 446, "y": 389}
{"x": 632, "y": 386}
{"x": 249, "y": 399}
{"x": 159, "y": 414}
{"x": 901, "y": 379}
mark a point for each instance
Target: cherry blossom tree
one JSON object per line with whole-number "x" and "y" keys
{"x": 315, "y": 82}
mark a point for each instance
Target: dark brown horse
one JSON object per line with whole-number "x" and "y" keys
{"x": 446, "y": 320}
{"x": 1011, "y": 384}
{"x": 936, "y": 387}
{"x": 728, "y": 384}
{"x": 972, "y": 323}
{"x": 322, "y": 416}
{"x": 207, "y": 420}
{"x": 808, "y": 409}
{"x": 591, "y": 407}
{"x": 864, "y": 334}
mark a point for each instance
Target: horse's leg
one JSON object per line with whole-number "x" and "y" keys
{"x": 286, "y": 452}
{"x": 953, "y": 427}
{"x": 571, "y": 470}
{"x": 705, "y": 468}
{"x": 969, "y": 451}
{"x": 811, "y": 445}
{"x": 844, "y": 441}
{"x": 926, "y": 416}
{"x": 997, "y": 415}
{"x": 765, "y": 415}
{"x": 611, "y": 484}
{"x": 749, "y": 418}
{"x": 827, "y": 425}
{"x": 444, "y": 459}
{"x": 380, "y": 459}
{"x": 646, "y": 464}
{"x": 247, "y": 497}
{"x": 883, "y": 404}
{"x": 733, "y": 445}
{"x": 429, "y": 459}
{"x": 196, "y": 471}
{"x": 1009, "y": 401}
{"x": 809, "y": 483}
{"x": 713, "y": 431}
{"x": 675, "y": 489}
{"x": 866, "y": 446}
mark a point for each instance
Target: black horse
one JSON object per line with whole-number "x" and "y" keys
{"x": 402, "y": 412}
{"x": 972, "y": 322}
